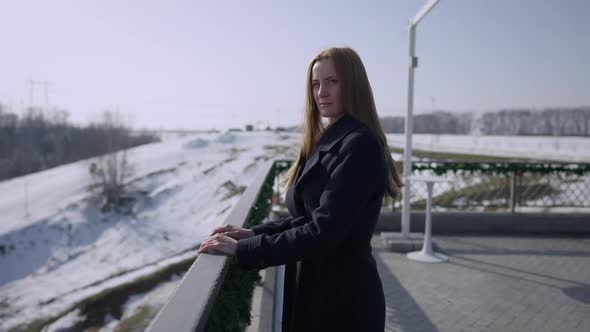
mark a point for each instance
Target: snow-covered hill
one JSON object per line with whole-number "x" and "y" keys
{"x": 67, "y": 249}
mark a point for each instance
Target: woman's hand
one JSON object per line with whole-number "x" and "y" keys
{"x": 233, "y": 232}
{"x": 220, "y": 243}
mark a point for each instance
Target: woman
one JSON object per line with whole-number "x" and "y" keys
{"x": 336, "y": 187}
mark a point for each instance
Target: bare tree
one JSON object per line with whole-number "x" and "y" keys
{"x": 112, "y": 169}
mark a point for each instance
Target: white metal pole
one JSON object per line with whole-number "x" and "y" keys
{"x": 409, "y": 129}
{"x": 409, "y": 123}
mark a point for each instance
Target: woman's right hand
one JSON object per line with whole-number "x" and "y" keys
{"x": 233, "y": 231}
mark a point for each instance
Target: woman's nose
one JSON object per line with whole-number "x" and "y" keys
{"x": 323, "y": 91}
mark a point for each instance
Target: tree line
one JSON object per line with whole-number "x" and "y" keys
{"x": 38, "y": 139}
{"x": 572, "y": 121}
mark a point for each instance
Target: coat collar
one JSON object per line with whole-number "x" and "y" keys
{"x": 332, "y": 135}
{"x": 337, "y": 131}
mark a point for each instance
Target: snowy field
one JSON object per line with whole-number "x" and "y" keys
{"x": 566, "y": 149}
{"x": 57, "y": 247}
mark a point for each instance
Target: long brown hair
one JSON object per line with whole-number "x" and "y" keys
{"x": 357, "y": 101}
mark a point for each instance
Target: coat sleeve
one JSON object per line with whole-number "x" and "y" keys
{"x": 358, "y": 177}
{"x": 276, "y": 226}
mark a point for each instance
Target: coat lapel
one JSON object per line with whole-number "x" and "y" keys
{"x": 331, "y": 136}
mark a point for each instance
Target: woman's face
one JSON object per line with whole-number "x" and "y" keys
{"x": 326, "y": 89}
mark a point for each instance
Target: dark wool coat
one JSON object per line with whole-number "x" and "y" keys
{"x": 334, "y": 204}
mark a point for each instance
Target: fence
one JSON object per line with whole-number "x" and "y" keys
{"x": 502, "y": 186}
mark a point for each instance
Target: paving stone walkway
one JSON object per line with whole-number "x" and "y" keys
{"x": 490, "y": 284}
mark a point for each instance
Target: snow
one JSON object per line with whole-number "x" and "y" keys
{"x": 66, "y": 249}
{"x": 57, "y": 247}
{"x": 65, "y": 322}
{"x": 145, "y": 304}
{"x": 139, "y": 309}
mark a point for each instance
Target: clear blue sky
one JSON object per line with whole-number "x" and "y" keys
{"x": 217, "y": 64}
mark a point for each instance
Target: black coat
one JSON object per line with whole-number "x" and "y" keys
{"x": 334, "y": 204}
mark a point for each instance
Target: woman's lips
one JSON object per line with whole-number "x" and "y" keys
{"x": 325, "y": 104}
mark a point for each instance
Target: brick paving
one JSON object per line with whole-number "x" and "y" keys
{"x": 491, "y": 283}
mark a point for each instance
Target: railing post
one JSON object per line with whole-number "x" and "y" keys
{"x": 512, "y": 192}
{"x": 277, "y": 319}
{"x": 278, "y": 292}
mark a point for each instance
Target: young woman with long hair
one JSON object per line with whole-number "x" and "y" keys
{"x": 335, "y": 191}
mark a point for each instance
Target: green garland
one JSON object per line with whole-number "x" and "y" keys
{"x": 231, "y": 310}
{"x": 282, "y": 165}
{"x": 517, "y": 168}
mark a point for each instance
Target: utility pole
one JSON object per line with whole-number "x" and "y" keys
{"x": 31, "y": 92}
{"x": 31, "y": 83}
{"x": 45, "y": 86}
{"x": 28, "y": 131}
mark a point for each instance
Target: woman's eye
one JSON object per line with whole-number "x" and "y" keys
{"x": 333, "y": 81}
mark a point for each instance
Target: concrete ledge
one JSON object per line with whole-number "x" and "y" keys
{"x": 394, "y": 241}
{"x": 554, "y": 224}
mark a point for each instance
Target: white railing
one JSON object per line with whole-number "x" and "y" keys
{"x": 190, "y": 305}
